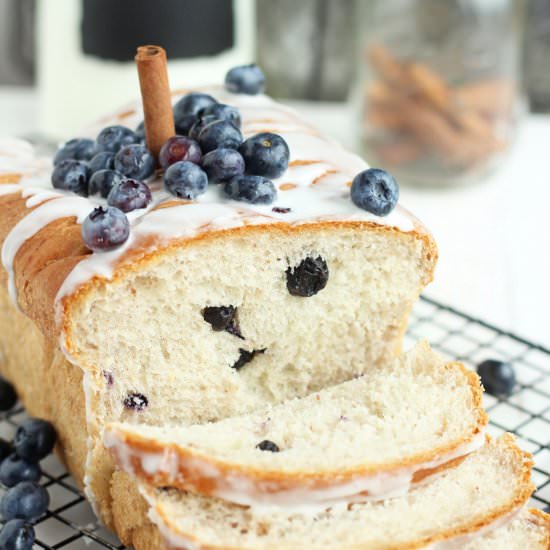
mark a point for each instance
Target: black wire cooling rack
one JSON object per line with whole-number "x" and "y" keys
{"x": 70, "y": 523}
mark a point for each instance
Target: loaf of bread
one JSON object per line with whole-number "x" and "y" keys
{"x": 122, "y": 336}
{"x": 372, "y": 436}
{"x": 316, "y": 293}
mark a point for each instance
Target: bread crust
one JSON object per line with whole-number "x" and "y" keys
{"x": 523, "y": 493}
{"x": 37, "y": 369}
{"x": 541, "y": 519}
{"x": 194, "y": 469}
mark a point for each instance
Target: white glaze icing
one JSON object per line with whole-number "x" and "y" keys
{"x": 38, "y": 218}
{"x": 17, "y": 157}
{"x": 241, "y": 489}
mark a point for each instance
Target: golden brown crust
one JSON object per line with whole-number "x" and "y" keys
{"x": 542, "y": 520}
{"x": 51, "y": 387}
{"x": 36, "y": 367}
{"x": 43, "y": 261}
{"x": 194, "y": 468}
{"x": 130, "y": 515}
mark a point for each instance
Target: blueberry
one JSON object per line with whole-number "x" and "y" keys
{"x": 192, "y": 103}
{"x": 219, "y": 134}
{"x": 308, "y": 278}
{"x": 103, "y": 181}
{"x": 253, "y": 189}
{"x": 265, "y": 154}
{"x": 5, "y": 449}
{"x": 17, "y": 535}
{"x": 219, "y": 317}
{"x": 109, "y": 378}
{"x": 199, "y": 124}
{"x": 245, "y": 357}
{"x": 8, "y": 397}
{"x": 34, "y": 439}
{"x": 267, "y": 445}
{"x": 184, "y": 124}
{"x": 223, "y": 164}
{"x": 71, "y": 175}
{"x": 102, "y": 161}
{"x": 245, "y": 79}
{"x": 136, "y": 401}
{"x": 135, "y": 161}
{"x": 375, "y": 191}
{"x": 281, "y": 209}
{"x": 130, "y": 194}
{"x": 15, "y": 469}
{"x": 179, "y": 148}
{"x": 76, "y": 149}
{"x": 27, "y": 500}
{"x": 223, "y": 112}
{"x": 105, "y": 229}
{"x": 185, "y": 180}
{"x": 112, "y": 138}
{"x": 497, "y": 377}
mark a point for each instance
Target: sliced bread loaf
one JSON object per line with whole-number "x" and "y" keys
{"x": 481, "y": 491}
{"x": 214, "y": 307}
{"x": 373, "y": 435}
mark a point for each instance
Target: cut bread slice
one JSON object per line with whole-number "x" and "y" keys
{"x": 529, "y": 530}
{"x": 480, "y": 492}
{"x": 373, "y": 436}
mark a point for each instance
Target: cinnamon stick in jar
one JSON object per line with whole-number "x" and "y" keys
{"x": 155, "y": 95}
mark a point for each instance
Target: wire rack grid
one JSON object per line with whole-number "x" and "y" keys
{"x": 70, "y": 523}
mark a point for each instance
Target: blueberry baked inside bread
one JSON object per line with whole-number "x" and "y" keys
{"x": 247, "y": 262}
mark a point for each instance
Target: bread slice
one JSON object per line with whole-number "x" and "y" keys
{"x": 479, "y": 492}
{"x": 373, "y": 435}
{"x": 529, "y": 530}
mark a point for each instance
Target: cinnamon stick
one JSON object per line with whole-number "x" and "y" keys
{"x": 155, "y": 95}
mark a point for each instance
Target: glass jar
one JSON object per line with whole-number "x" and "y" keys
{"x": 439, "y": 90}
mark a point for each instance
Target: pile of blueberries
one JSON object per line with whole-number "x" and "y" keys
{"x": 208, "y": 148}
{"x": 25, "y": 500}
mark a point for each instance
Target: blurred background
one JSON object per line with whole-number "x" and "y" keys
{"x": 452, "y": 96}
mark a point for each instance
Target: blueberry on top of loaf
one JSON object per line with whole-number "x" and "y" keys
{"x": 212, "y": 150}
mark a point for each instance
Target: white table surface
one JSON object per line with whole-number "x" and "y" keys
{"x": 493, "y": 236}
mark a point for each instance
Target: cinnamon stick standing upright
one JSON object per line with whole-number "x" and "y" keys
{"x": 155, "y": 95}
